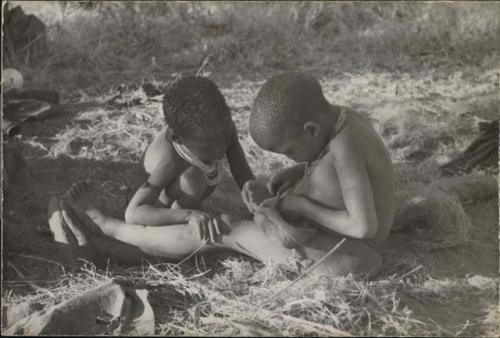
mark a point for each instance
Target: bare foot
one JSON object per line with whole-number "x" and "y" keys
{"x": 78, "y": 196}
{"x": 56, "y": 223}
{"x": 69, "y": 232}
{"x": 79, "y": 199}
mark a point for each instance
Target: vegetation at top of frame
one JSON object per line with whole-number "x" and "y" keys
{"x": 252, "y": 39}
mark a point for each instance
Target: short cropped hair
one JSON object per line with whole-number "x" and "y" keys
{"x": 284, "y": 103}
{"x": 193, "y": 106}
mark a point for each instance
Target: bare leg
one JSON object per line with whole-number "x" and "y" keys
{"x": 188, "y": 190}
{"x": 66, "y": 243}
{"x": 74, "y": 241}
{"x": 175, "y": 241}
{"x": 354, "y": 256}
{"x": 247, "y": 237}
{"x": 171, "y": 242}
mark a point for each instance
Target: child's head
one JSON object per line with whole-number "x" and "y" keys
{"x": 286, "y": 116}
{"x": 198, "y": 116}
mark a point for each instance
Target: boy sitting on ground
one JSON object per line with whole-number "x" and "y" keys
{"x": 183, "y": 164}
{"x": 343, "y": 185}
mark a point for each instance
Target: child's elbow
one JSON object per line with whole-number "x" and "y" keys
{"x": 366, "y": 230}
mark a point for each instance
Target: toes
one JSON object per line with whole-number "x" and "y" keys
{"x": 71, "y": 194}
{"x": 68, "y": 195}
{"x": 76, "y": 190}
{"x": 79, "y": 187}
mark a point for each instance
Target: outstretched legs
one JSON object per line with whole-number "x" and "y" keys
{"x": 83, "y": 231}
{"x": 77, "y": 223}
{"x": 75, "y": 241}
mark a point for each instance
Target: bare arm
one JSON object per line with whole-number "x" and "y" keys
{"x": 237, "y": 162}
{"x": 141, "y": 210}
{"x": 359, "y": 219}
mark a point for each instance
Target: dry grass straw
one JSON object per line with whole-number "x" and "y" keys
{"x": 110, "y": 132}
{"x": 431, "y": 207}
{"x": 429, "y": 214}
{"x": 194, "y": 301}
{"x": 138, "y": 39}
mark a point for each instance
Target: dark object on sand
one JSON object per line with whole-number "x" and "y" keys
{"x": 13, "y": 162}
{"x": 482, "y": 153}
{"x": 116, "y": 307}
{"x": 19, "y": 111}
{"x": 21, "y": 105}
{"x": 23, "y": 34}
{"x": 50, "y": 96}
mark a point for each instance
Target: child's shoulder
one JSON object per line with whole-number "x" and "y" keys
{"x": 356, "y": 135}
{"x": 356, "y": 119}
{"x": 159, "y": 150}
{"x": 160, "y": 142}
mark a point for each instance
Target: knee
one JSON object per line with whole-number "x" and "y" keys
{"x": 193, "y": 183}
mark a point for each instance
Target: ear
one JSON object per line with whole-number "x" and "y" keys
{"x": 312, "y": 128}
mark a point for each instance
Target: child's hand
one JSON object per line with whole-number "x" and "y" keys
{"x": 208, "y": 227}
{"x": 254, "y": 194}
{"x": 224, "y": 223}
{"x": 283, "y": 180}
{"x": 290, "y": 206}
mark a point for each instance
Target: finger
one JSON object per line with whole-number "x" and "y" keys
{"x": 271, "y": 186}
{"x": 247, "y": 183}
{"x": 200, "y": 231}
{"x": 72, "y": 193}
{"x": 74, "y": 189}
{"x": 244, "y": 191}
{"x": 246, "y": 198}
{"x": 217, "y": 227}
{"x": 211, "y": 231}
{"x": 276, "y": 189}
{"x": 206, "y": 230}
{"x": 247, "y": 201}
{"x": 284, "y": 187}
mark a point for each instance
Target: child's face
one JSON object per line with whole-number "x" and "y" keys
{"x": 304, "y": 147}
{"x": 296, "y": 149}
{"x": 208, "y": 148}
